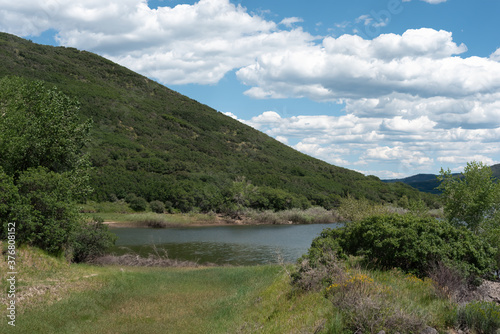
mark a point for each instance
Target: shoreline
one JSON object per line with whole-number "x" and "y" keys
{"x": 139, "y": 224}
{"x": 152, "y": 220}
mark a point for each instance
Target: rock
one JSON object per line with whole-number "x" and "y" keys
{"x": 490, "y": 291}
{"x": 381, "y": 332}
{"x": 429, "y": 330}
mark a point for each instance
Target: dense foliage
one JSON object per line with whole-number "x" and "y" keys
{"x": 39, "y": 127}
{"x": 408, "y": 242}
{"x": 90, "y": 240}
{"x": 162, "y": 146}
{"x": 43, "y": 169}
{"x": 472, "y": 200}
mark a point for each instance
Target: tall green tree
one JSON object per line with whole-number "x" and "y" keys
{"x": 43, "y": 167}
{"x": 39, "y": 126}
{"x": 471, "y": 199}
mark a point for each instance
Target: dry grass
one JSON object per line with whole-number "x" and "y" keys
{"x": 449, "y": 283}
{"x": 133, "y": 260}
{"x": 314, "y": 215}
{"x": 367, "y": 305}
{"x": 42, "y": 279}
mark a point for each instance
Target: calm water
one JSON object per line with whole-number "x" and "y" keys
{"x": 238, "y": 245}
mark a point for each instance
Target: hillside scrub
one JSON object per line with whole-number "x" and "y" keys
{"x": 162, "y": 146}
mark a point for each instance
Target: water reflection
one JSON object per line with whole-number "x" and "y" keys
{"x": 237, "y": 245}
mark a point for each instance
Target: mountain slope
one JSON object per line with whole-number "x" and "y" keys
{"x": 429, "y": 182}
{"x": 423, "y": 182}
{"x": 161, "y": 145}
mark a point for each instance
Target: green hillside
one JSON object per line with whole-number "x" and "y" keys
{"x": 429, "y": 182}
{"x": 160, "y": 145}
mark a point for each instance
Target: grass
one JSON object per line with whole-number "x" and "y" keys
{"x": 314, "y": 215}
{"x": 373, "y": 300}
{"x": 154, "y": 301}
{"x": 57, "y": 297}
{"x": 158, "y": 220}
{"x": 282, "y": 309}
{"x": 121, "y": 214}
{"x": 136, "y": 300}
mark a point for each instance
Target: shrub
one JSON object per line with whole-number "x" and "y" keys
{"x": 130, "y": 197}
{"x": 352, "y": 209}
{"x": 410, "y": 243}
{"x": 45, "y": 216}
{"x": 169, "y": 206}
{"x": 91, "y": 240}
{"x": 157, "y": 206}
{"x": 482, "y": 317}
{"x": 152, "y": 220}
{"x": 448, "y": 282}
{"x": 138, "y": 204}
{"x": 314, "y": 276}
{"x": 368, "y": 306}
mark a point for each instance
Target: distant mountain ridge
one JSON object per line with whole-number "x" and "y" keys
{"x": 429, "y": 182}
{"x": 155, "y": 143}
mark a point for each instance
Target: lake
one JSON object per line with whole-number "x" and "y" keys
{"x": 235, "y": 245}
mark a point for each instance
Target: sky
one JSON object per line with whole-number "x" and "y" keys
{"x": 390, "y": 88}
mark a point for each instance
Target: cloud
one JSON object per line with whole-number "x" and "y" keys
{"x": 411, "y": 100}
{"x": 495, "y": 55}
{"x": 290, "y": 21}
{"x": 418, "y": 125}
{"x": 368, "y": 20}
{"x": 409, "y": 144}
{"x": 432, "y": 2}
{"x": 196, "y": 43}
{"x": 419, "y": 62}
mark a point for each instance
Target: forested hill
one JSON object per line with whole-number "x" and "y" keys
{"x": 429, "y": 182}
{"x": 161, "y": 145}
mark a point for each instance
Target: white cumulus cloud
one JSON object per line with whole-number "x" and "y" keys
{"x": 411, "y": 99}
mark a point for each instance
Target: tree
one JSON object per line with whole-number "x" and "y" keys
{"x": 39, "y": 127}
{"x": 43, "y": 167}
{"x": 46, "y": 215}
{"x": 472, "y": 199}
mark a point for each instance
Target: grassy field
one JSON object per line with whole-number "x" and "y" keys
{"x": 56, "y": 297}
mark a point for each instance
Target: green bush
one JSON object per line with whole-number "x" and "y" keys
{"x": 91, "y": 240}
{"x": 410, "y": 243}
{"x": 45, "y": 216}
{"x": 482, "y": 317}
{"x": 138, "y": 204}
{"x": 130, "y": 197}
{"x": 157, "y": 206}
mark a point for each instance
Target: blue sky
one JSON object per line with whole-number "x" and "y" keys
{"x": 390, "y": 88}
